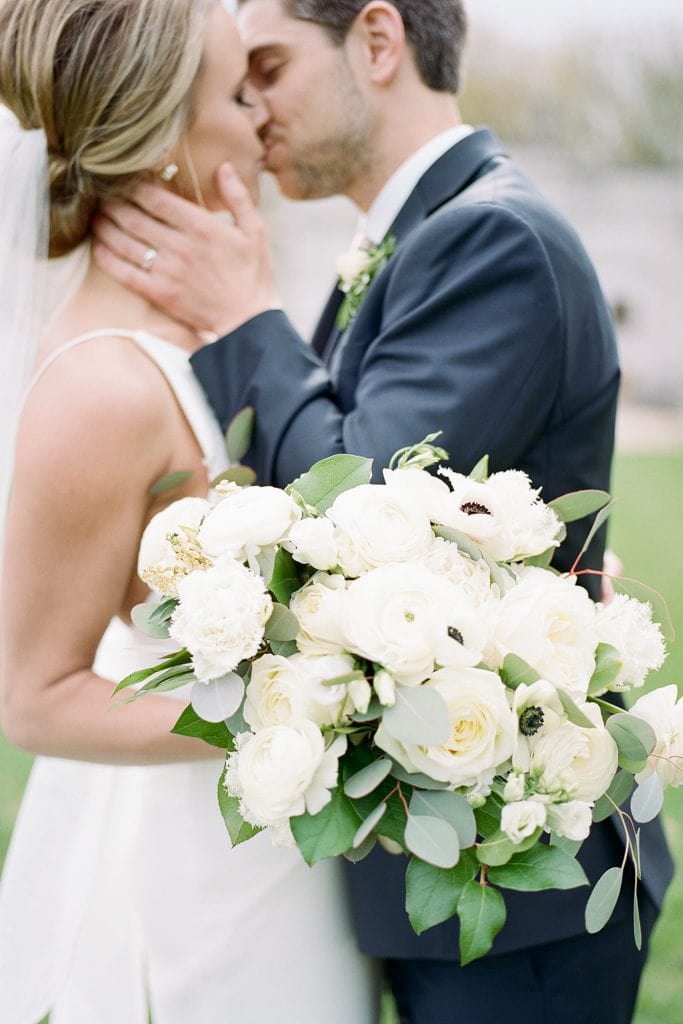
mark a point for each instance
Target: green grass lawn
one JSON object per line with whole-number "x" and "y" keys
{"x": 646, "y": 531}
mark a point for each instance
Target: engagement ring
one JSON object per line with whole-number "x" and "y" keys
{"x": 149, "y": 258}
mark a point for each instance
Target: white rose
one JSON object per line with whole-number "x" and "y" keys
{"x": 419, "y": 488}
{"x": 375, "y": 526}
{"x": 664, "y": 713}
{"x": 572, "y": 819}
{"x": 312, "y": 542}
{"x": 483, "y": 731}
{"x": 504, "y": 515}
{"x": 549, "y": 621}
{"x": 283, "y": 771}
{"x": 250, "y": 517}
{"x": 627, "y": 624}
{"x": 571, "y": 762}
{"x": 318, "y": 607}
{"x": 221, "y": 617}
{"x": 520, "y": 820}
{"x": 396, "y": 616}
{"x": 351, "y": 265}
{"x": 168, "y": 548}
{"x": 283, "y": 690}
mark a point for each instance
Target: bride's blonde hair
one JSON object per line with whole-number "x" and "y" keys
{"x": 109, "y": 82}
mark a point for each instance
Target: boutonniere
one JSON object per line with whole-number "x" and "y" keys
{"x": 357, "y": 269}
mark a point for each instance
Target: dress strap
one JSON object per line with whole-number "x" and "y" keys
{"x": 112, "y": 332}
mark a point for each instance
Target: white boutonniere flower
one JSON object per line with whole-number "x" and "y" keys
{"x": 357, "y": 269}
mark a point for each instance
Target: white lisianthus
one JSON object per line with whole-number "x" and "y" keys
{"x": 360, "y": 695}
{"x": 376, "y": 526}
{"x": 418, "y": 487}
{"x": 283, "y": 771}
{"x": 312, "y": 542}
{"x": 318, "y": 607}
{"x": 515, "y": 787}
{"x": 572, "y": 762}
{"x": 396, "y": 617}
{"x": 504, "y": 515}
{"x": 572, "y": 819}
{"x": 549, "y": 621}
{"x": 483, "y": 731}
{"x": 627, "y": 624}
{"x": 169, "y": 549}
{"x": 283, "y": 690}
{"x": 385, "y": 688}
{"x": 520, "y": 820}
{"x": 221, "y": 617}
{"x": 662, "y": 710}
{"x": 248, "y": 518}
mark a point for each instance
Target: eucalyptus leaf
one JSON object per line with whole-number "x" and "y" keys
{"x": 516, "y": 671}
{"x": 142, "y": 617}
{"x": 452, "y": 808}
{"x": 239, "y": 830}
{"x": 608, "y": 665}
{"x": 432, "y": 840}
{"x": 541, "y": 867}
{"x": 214, "y": 733}
{"x": 480, "y": 473}
{"x": 375, "y": 710}
{"x": 618, "y": 793}
{"x": 282, "y": 625}
{"x": 637, "y": 926}
{"x": 328, "y": 833}
{"x": 463, "y": 543}
{"x": 419, "y": 716}
{"x": 482, "y": 913}
{"x": 285, "y": 648}
{"x": 601, "y": 518}
{"x": 500, "y": 576}
{"x": 496, "y": 850}
{"x": 433, "y": 894}
{"x": 574, "y": 713}
{"x": 543, "y": 560}
{"x": 369, "y": 824}
{"x": 648, "y": 799}
{"x": 634, "y": 738}
{"x": 660, "y": 609}
{"x": 330, "y": 477}
{"x": 243, "y": 476}
{"x": 219, "y": 699}
{"x": 169, "y": 482}
{"x": 367, "y": 779}
{"x": 348, "y": 677}
{"x": 239, "y": 434}
{"x": 354, "y": 856}
{"x": 285, "y": 579}
{"x": 416, "y": 778}
{"x": 579, "y": 504}
{"x": 603, "y": 900}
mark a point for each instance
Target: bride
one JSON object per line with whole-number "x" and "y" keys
{"x": 121, "y": 896}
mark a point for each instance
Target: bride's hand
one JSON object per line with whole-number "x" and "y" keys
{"x": 209, "y": 271}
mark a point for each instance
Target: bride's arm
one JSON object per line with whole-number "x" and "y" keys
{"x": 96, "y": 434}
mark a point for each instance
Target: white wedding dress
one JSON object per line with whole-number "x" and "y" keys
{"x": 121, "y": 892}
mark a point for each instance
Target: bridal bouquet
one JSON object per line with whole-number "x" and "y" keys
{"x": 398, "y": 663}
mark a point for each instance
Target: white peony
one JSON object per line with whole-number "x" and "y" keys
{"x": 318, "y": 607}
{"x": 549, "y": 621}
{"x": 248, "y": 518}
{"x": 520, "y": 820}
{"x": 627, "y": 624}
{"x": 572, "y": 819}
{"x": 504, "y": 515}
{"x": 168, "y": 548}
{"x": 221, "y": 617}
{"x": 572, "y": 762}
{"x": 312, "y": 542}
{"x": 375, "y": 526}
{"x": 483, "y": 731}
{"x": 472, "y": 579}
{"x": 662, "y": 710}
{"x": 283, "y": 771}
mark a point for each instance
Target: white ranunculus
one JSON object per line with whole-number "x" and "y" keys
{"x": 662, "y": 710}
{"x": 375, "y": 526}
{"x": 221, "y": 617}
{"x": 418, "y": 487}
{"x": 318, "y": 607}
{"x": 572, "y": 762}
{"x": 504, "y": 515}
{"x": 572, "y": 819}
{"x": 483, "y": 731}
{"x": 627, "y": 624}
{"x": 549, "y": 621}
{"x": 327, "y": 702}
{"x": 248, "y": 518}
{"x": 168, "y": 548}
{"x": 520, "y": 820}
{"x": 396, "y": 617}
{"x": 312, "y": 542}
{"x": 283, "y": 771}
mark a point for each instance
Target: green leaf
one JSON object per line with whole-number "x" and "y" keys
{"x": 355, "y": 855}
{"x": 573, "y": 712}
{"x": 239, "y": 434}
{"x": 416, "y": 778}
{"x": 480, "y": 473}
{"x": 570, "y": 846}
{"x": 648, "y": 799}
{"x": 452, "y": 808}
{"x": 375, "y": 710}
{"x": 432, "y": 840}
{"x": 243, "y": 476}
{"x": 543, "y": 560}
{"x": 463, "y": 543}
{"x": 603, "y": 900}
{"x": 285, "y": 579}
{"x": 239, "y": 830}
{"x": 482, "y": 914}
{"x": 488, "y": 817}
{"x": 601, "y": 518}
{"x": 215, "y": 733}
{"x": 433, "y": 894}
{"x": 541, "y": 867}
{"x": 365, "y": 830}
{"x": 516, "y": 671}
{"x": 182, "y": 657}
{"x": 328, "y": 833}
{"x": 282, "y": 626}
{"x": 660, "y": 609}
{"x": 637, "y": 927}
{"x": 171, "y": 679}
{"x": 169, "y": 482}
{"x": 619, "y": 791}
{"x": 634, "y": 738}
{"x": 608, "y": 665}
{"x": 367, "y": 779}
{"x": 164, "y": 611}
{"x": 419, "y": 716}
{"x": 348, "y": 677}
{"x": 496, "y": 850}
{"x": 579, "y": 504}
{"x": 142, "y": 617}
{"x": 327, "y": 479}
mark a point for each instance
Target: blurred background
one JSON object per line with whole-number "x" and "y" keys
{"x": 588, "y": 98}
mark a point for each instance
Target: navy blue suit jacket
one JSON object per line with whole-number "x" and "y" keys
{"x": 488, "y": 323}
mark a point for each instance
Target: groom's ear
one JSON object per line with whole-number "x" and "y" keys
{"x": 378, "y": 35}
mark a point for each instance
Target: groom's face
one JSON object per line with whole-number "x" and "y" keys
{"x": 318, "y": 130}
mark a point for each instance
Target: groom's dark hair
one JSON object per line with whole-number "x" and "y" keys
{"x": 435, "y": 30}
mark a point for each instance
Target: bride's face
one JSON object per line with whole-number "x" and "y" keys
{"x": 226, "y": 114}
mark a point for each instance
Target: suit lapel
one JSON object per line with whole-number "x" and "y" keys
{"x": 326, "y": 329}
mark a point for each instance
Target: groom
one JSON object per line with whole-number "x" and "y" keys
{"x": 486, "y": 322}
